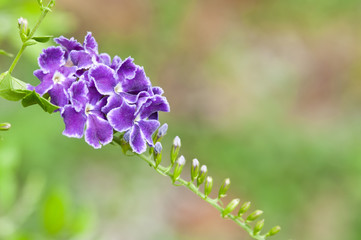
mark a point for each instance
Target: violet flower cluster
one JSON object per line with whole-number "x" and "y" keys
{"x": 98, "y": 96}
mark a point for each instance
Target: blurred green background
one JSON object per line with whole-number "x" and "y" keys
{"x": 267, "y": 93}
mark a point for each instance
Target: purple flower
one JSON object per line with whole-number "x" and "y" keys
{"x": 55, "y": 78}
{"x": 128, "y": 118}
{"x": 82, "y": 56}
{"x": 98, "y": 95}
{"x": 85, "y": 112}
{"x": 127, "y": 78}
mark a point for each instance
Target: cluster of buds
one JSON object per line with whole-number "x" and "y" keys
{"x": 199, "y": 176}
{"x": 250, "y": 218}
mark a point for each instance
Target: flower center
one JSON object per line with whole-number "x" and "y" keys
{"x": 69, "y": 63}
{"x": 88, "y": 108}
{"x": 58, "y": 77}
{"x": 118, "y": 88}
{"x": 137, "y": 118}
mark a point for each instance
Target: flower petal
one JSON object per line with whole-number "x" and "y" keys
{"x": 122, "y": 118}
{"x": 153, "y": 116}
{"x": 157, "y": 90}
{"x": 93, "y": 95}
{"x": 137, "y": 140}
{"x": 68, "y": 44}
{"x": 90, "y": 44}
{"x": 104, "y": 79}
{"x": 154, "y": 104}
{"x": 127, "y": 69}
{"x": 51, "y": 58}
{"x": 78, "y": 95}
{"x": 114, "y": 101}
{"x": 74, "y": 122}
{"x": 116, "y": 62}
{"x": 139, "y": 83}
{"x": 148, "y": 127}
{"x": 58, "y": 95}
{"x": 81, "y": 59}
{"x": 98, "y": 132}
{"x": 105, "y": 59}
{"x": 40, "y": 74}
{"x": 46, "y": 83}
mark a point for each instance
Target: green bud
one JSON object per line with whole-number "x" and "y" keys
{"x": 224, "y": 188}
{"x": 244, "y": 208}
{"x": 40, "y": 2}
{"x": 157, "y": 154}
{"x": 230, "y": 207}
{"x": 258, "y": 227}
{"x": 202, "y": 175}
{"x": 208, "y": 186}
{"x": 5, "y": 126}
{"x": 178, "y": 168}
{"x": 175, "y": 149}
{"x": 253, "y": 216}
{"x": 194, "y": 169}
{"x": 124, "y": 143}
{"x": 161, "y": 132}
{"x": 273, "y": 231}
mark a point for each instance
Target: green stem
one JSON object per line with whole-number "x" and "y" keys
{"x": 31, "y": 34}
{"x": 16, "y": 59}
{"x": 214, "y": 202}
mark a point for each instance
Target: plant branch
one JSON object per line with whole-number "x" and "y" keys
{"x": 214, "y": 202}
{"x": 44, "y": 12}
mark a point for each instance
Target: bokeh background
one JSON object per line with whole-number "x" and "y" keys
{"x": 267, "y": 93}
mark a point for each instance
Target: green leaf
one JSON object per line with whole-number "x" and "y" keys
{"x": 43, "y": 39}
{"x": 34, "y": 98}
{"x": 11, "y": 88}
{"x": 3, "y": 52}
{"x": 14, "y": 90}
{"x": 30, "y": 42}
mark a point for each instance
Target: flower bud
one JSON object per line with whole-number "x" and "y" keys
{"x": 194, "y": 169}
{"x": 23, "y": 24}
{"x": 52, "y": 3}
{"x": 157, "y": 154}
{"x": 253, "y": 216}
{"x": 273, "y": 231}
{"x": 208, "y": 186}
{"x": 126, "y": 136}
{"x": 162, "y": 131}
{"x": 124, "y": 143}
{"x": 258, "y": 227}
{"x": 178, "y": 168}
{"x": 230, "y": 207}
{"x": 202, "y": 175}
{"x": 5, "y": 126}
{"x": 224, "y": 188}
{"x": 23, "y": 28}
{"x": 244, "y": 208}
{"x": 175, "y": 149}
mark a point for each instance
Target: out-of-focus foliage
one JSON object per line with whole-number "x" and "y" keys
{"x": 24, "y": 198}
